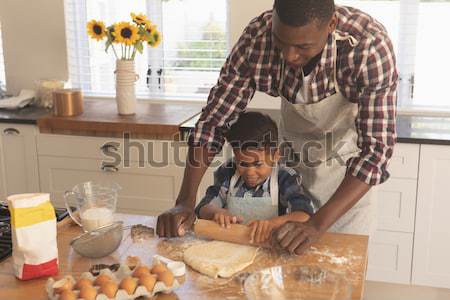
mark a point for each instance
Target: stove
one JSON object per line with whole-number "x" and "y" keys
{"x": 5, "y": 229}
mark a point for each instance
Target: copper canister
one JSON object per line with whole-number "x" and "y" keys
{"x": 67, "y": 102}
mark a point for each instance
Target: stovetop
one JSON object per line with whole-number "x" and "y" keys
{"x": 5, "y": 229}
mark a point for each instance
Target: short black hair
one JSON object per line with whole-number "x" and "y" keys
{"x": 253, "y": 130}
{"x": 302, "y": 12}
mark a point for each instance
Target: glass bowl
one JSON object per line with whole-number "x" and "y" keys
{"x": 297, "y": 282}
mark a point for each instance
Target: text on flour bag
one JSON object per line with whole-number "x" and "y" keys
{"x": 33, "y": 226}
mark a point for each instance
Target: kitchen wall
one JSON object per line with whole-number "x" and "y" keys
{"x": 35, "y": 45}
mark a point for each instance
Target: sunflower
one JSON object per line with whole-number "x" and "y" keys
{"x": 126, "y": 33}
{"x": 96, "y": 29}
{"x": 157, "y": 37}
{"x": 139, "y": 19}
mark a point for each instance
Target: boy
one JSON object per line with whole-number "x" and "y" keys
{"x": 252, "y": 188}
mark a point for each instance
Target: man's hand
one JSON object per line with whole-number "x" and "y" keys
{"x": 175, "y": 221}
{"x": 261, "y": 231}
{"x": 225, "y": 219}
{"x": 297, "y": 237}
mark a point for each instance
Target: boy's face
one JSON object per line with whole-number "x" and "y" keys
{"x": 255, "y": 165}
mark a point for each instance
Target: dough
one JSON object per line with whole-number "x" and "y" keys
{"x": 218, "y": 258}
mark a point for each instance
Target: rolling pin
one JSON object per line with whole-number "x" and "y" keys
{"x": 237, "y": 233}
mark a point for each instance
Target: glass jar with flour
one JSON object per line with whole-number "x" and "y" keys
{"x": 95, "y": 203}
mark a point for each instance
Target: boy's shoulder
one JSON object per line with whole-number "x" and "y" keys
{"x": 288, "y": 175}
{"x": 226, "y": 170}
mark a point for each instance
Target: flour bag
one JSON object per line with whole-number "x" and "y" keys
{"x": 33, "y": 226}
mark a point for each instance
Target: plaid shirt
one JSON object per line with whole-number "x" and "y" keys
{"x": 366, "y": 74}
{"x": 290, "y": 190}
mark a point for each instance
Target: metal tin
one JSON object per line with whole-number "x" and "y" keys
{"x": 67, "y": 102}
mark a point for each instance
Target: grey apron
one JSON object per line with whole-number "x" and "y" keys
{"x": 324, "y": 136}
{"x": 254, "y": 208}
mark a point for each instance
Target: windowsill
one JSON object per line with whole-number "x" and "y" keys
{"x": 161, "y": 100}
{"x": 424, "y": 112}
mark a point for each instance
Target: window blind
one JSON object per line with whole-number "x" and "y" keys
{"x": 415, "y": 27}
{"x": 185, "y": 65}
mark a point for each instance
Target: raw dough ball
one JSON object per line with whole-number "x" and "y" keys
{"x": 166, "y": 277}
{"x": 159, "y": 268}
{"x": 83, "y": 282}
{"x": 88, "y": 293}
{"x": 109, "y": 289}
{"x": 67, "y": 295}
{"x": 141, "y": 270}
{"x": 128, "y": 284}
{"x": 148, "y": 280}
{"x": 102, "y": 279}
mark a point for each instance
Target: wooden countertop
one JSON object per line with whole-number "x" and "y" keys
{"x": 100, "y": 118}
{"x": 345, "y": 254}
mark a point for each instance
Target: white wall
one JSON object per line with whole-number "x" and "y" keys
{"x": 37, "y": 27}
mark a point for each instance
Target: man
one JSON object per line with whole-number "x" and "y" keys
{"x": 334, "y": 69}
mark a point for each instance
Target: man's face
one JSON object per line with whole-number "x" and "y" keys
{"x": 255, "y": 165}
{"x": 300, "y": 44}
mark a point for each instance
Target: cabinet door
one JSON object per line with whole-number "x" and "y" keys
{"x": 390, "y": 257}
{"x": 145, "y": 190}
{"x": 19, "y": 158}
{"x": 431, "y": 264}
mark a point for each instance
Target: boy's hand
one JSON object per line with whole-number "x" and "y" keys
{"x": 261, "y": 230}
{"x": 225, "y": 219}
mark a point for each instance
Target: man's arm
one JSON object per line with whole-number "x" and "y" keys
{"x": 177, "y": 220}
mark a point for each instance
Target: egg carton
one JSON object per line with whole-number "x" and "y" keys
{"x": 117, "y": 276}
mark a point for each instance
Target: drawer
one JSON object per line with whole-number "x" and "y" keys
{"x": 396, "y": 205}
{"x": 151, "y": 153}
{"x": 405, "y": 161}
{"x": 390, "y": 257}
{"x": 144, "y": 190}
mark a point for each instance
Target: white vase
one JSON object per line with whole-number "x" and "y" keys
{"x": 126, "y": 78}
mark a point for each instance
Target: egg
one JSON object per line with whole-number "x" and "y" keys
{"x": 159, "y": 268}
{"x": 148, "y": 280}
{"x": 141, "y": 270}
{"x": 88, "y": 293}
{"x": 64, "y": 284}
{"x": 166, "y": 277}
{"x": 128, "y": 284}
{"x": 109, "y": 289}
{"x": 102, "y": 279}
{"x": 83, "y": 282}
{"x": 67, "y": 295}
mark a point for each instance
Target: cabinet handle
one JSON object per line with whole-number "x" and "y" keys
{"x": 109, "y": 168}
{"x": 107, "y": 147}
{"x": 11, "y": 131}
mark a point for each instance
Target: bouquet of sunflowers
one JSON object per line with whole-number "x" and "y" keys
{"x": 130, "y": 36}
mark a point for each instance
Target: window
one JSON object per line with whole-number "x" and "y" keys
{"x": 2, "y": 65}
{"x": 417, "y": 29}
{"x": 185, "y": 65}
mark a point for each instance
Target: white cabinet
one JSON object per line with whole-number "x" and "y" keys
{"x": 150, "y": 172}
{"x": 431, "y": 264}
{"x": 144, "y": 190}
{"x": 19, "y": 172}
{"x": 391, "y": 248}
{"x": 390, "y": 256}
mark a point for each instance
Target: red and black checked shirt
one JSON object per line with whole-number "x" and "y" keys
{"x": 366, "y": 75}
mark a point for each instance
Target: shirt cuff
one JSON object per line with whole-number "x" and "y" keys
{"x": 367, "y": 171}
